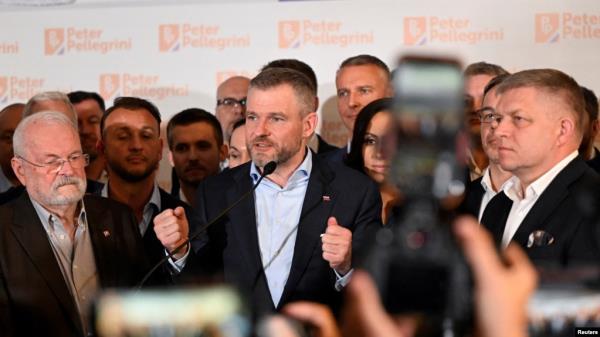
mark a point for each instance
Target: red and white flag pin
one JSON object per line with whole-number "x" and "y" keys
{"x": 106, "y": 233}
{"x": 326, "y": 198}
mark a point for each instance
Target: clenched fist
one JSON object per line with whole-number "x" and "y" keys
{"x": 337, "y": 246}
{"x": 172, "y": 229}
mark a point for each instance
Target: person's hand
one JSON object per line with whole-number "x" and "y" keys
{"x": 314, "y": 314}
{"x": 172, "y": 229}
{"x": 337, "y": 246}
{"x": 502, "y": 290}
{"x": 364, "y": 314}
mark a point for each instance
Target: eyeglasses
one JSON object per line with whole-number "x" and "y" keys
{"x": 76, "y": 161}
{"x": 232, "y": 102}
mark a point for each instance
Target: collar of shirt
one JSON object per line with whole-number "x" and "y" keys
{"x": 514, "y": 190}
{"x": 182, "y": 196}
{"x": 47, "y": 218}
{"x": 302, "y": 172}
{"x": 152, "y": 206}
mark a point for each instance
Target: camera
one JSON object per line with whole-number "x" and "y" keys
{"x": 414, "y": 260}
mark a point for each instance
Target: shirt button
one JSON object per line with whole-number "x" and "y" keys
{"x": 83, "y": 298}
{"x": 62, "y": 237}
{"x": 75, "y": 267}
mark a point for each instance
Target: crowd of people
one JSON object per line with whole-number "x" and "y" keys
{"x": 81, "y": 210}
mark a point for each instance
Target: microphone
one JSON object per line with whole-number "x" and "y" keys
{"x": 268, "y": 169}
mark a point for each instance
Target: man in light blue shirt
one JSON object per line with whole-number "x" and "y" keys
{"x": 295, "y": 236}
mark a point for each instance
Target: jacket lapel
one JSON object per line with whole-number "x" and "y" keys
{"x": 34, "y": 240}
{"x": 242, "y": 220}
{"x": 316, "y": 208}
{"x": 103, "y": 236}
{"x": 550, "y": 199}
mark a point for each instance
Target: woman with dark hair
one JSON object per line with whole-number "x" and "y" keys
{"x": 373, "y": 147}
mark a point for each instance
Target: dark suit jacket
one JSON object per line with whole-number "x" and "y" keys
{"x": 154, "y": 248}
{"x": 325, "y": 147}
{"x": 34, "y": 299}
{"x": 473, "y": 195}
{"x": 568, "y": 211}
{"x": 232, "y": 248}
{"x": 595, "y": 162}
{"x": 336, "y": 156}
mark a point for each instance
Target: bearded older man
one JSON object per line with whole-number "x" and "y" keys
{"x": 58, "y": 249}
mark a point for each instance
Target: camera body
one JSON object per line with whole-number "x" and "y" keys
{"x": 415, "y": 261}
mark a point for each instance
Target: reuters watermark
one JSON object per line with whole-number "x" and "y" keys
{"x": 421, "y": 30}
{"x": 302, "y": 33}
{"x": 61, "y": 41}
{"x": 139, "y": 85}
{"x": 552, "y": 27}
{"x": 176, "y": 37}
{"x": 19, "y": 88}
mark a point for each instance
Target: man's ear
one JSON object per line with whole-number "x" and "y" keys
{"x": 17, "y": 166}
{"x": 223, "y": 152}
{"x": 309, "y": 124}
{"x": 566, "y": 130}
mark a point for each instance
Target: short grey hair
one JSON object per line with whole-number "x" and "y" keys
{"x": 56, "y": 96}
{"x": 45, "y": 117}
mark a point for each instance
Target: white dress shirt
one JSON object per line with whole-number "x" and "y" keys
{"x": 523, "y": 201}
{"x": 489, "y": 193}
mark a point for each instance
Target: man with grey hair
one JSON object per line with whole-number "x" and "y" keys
{"x": 50, "y": 101}
{"x": 58, "y": 247}
{"x": 293, "y": 238}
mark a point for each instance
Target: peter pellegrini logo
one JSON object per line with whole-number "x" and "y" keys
{"x": 552, "y": 27}
{"x": 168, "y": 38}
{"x": 139, "y": 85}
{"x": 60, "y": 41}
{"x": 289, "y": 34}
{"x": 175, "y": 37}
{"x": 19, "y": 88}
{"x": 546, "y": 28}
{"x": 414, "y": 31}
{"x": 298, "y": 33}
{"x": 109, "y": 85}
{"x": 422, "y": 30}
{"x": 54, "y": 41}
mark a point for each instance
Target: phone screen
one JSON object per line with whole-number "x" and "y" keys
{"x": 429, "y": 107}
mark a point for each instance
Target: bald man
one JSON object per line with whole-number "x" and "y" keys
{"x": 231, "y": 102}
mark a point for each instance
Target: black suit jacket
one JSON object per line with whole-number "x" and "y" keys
{"x": 568, "y": 211}
{"x": 154, "y": 248}
{"x": 34, "y": 298}
{"x": 233, "y": 249}
{"x": 325, "y": 147}
{"x": 473, "y": 195}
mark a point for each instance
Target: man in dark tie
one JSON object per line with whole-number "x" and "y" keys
{"x": 539, "y": 121}
{"x": 59, "y": 248}
{"x": 298, "y": 235}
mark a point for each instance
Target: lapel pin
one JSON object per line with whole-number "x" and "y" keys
{"x": 326, "y": 198}
{"x": 106, "y": 233}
